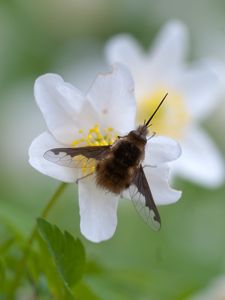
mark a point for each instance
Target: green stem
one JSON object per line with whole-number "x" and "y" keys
{"x": 22, "y": 262}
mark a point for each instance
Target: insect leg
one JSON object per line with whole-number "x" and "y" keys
{"x": 78, "y": 179}
{"x": 149, "y": 166}
{"x": 150, "y": 137}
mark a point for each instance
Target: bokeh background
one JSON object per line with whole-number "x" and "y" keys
{"x": 67, "y": 37}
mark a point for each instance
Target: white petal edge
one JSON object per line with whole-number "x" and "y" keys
{"x": 201, "y": 88}
{"x": 38, "y": 147}
{"x": 170, "y": 46}
{"x": 112, "y": 97}
{"x": 158, "y": 180}
{"x": 161, "y": 149}
{"x": 98, "y": 211}
{"x": 60, "y": 104}
{"x": 124, "y": 49}
{"x": 200, "y": 162}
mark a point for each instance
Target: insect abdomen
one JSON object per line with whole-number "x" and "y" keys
{"x": 116, "y": 173}
{"x": 112, "y": 177}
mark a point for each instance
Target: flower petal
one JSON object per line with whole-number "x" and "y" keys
{"x": 158, "y": 182}
{"x": 200, "y": 161}
{"x": 112, "y": 97}
{"x": 170, "y": 47}
{"x": 161, "y": 149}
{"x": 39, "y": 146}
{"x": 60, "y": 104}
{"x": 98, "y": 211}
{"x": 200, "y": 87}
{"x": 124, "y": 49}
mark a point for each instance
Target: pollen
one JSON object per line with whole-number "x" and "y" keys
{"x": 171, "y": 119}
{"x": 92, "y": 137}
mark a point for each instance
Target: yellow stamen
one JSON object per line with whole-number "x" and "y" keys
{"x": 171, "y": 119}
{"x": 93, "y": 137}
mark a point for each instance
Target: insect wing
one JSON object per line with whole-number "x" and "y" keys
{"x": 77, "y": 157}
{"x": 142, "y": 199}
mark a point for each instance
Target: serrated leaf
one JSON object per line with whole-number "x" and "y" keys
{"x": 68, "y": 253}
{"x": 56, "y": 284}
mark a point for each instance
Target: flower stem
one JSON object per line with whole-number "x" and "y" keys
{"x": 22, "y": 262}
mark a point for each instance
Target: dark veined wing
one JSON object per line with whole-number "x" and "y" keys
{"x": 143, "y": 201}
{"x": 80, "y": 157}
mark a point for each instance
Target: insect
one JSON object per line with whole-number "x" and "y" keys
{"x": 117, "y": 167}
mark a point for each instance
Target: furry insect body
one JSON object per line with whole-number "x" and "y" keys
{"x": 116, "y": 172}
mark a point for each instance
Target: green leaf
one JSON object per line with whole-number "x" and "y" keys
{"x": 2, "y": 271}
{"x": 9, "y": 236}
{"x": 56, "y": 285}
{"x": 68, "y": 253}
{"x": 83, "y": 292}
{"x": 33, "y": 265}
{"x": 5, "y": 245}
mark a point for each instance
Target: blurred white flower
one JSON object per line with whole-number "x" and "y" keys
{"x": 97, "y": 118}
{"x": 218, "y": 67}
{"x": 193, "y": 93}
{"x": 215, "y": 291}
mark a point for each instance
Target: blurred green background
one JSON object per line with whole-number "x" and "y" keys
{"x": 67, "y": 37}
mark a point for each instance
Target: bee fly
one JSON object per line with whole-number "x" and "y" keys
{"x": 117, "y": 167}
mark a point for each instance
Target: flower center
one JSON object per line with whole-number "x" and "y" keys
{"x": 93, "y": 137}
{"x": 171, "y": 119}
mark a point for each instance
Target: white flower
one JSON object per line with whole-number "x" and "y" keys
{"x": 107, "y": 110}
{"x": 192, "y": 97}
{"x": 214, "y": 291}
